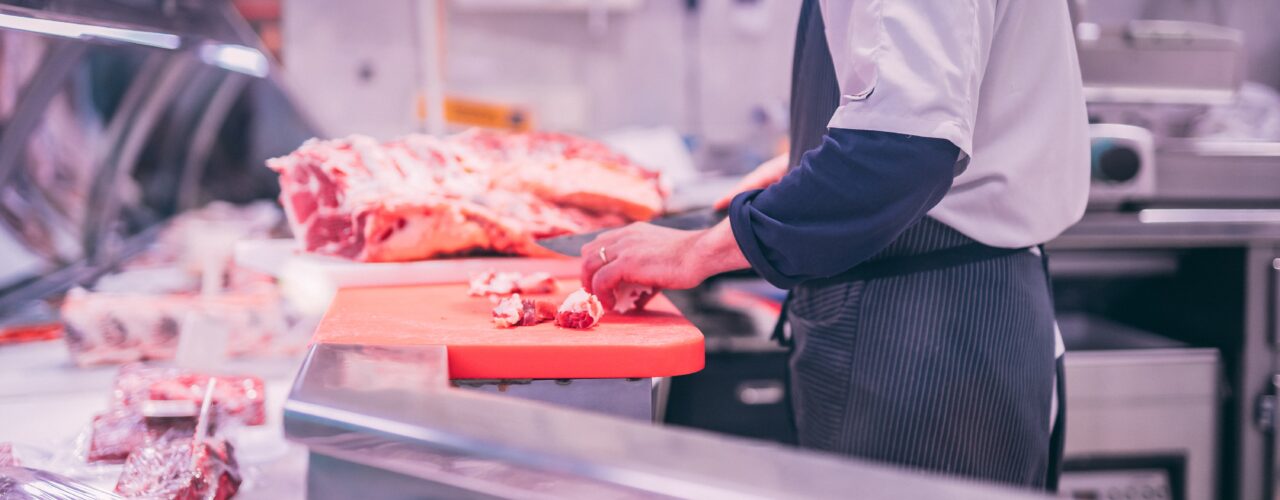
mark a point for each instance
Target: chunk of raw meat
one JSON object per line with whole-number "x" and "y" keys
{"x": 579, "y": 310}
{"x": 181, "y": 469}
{"x": 515, "y": 311}
{"x": 480, "y": 192}
{"x": 570, "y": 170}
{"x": 629, "y": 297}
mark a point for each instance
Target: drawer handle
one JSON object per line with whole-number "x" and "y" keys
{"x": 761, "y": 392}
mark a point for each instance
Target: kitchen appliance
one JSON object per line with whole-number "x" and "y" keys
{"x": 1149, "y": 86}
{"x": 1122, "y": 163}
{"x": 1142, "y": 413}
{"x": 1160, "y": 61}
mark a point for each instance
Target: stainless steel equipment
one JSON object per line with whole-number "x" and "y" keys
{"x": 632, "y": 398}
{"x": 385, "y": 421}
{"x": 1148, "y": 83}
{"x": 1142, "y": 410}
{"x": 1160, "y": 61}
{"x": 1204, "y": 277}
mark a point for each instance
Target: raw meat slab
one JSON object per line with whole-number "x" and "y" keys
{"x": 653, "y": 343}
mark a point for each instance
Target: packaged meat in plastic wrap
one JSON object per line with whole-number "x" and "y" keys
{"x": 180, "y": 465}
{"x": 115, "y": 434}
{"x": 181, "y": 469}
{"x": 169, "y": 416}
{"x": 115, "y": 328}
{"x": 236, "y": 399}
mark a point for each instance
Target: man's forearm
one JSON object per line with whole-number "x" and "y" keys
{"x": 845, "y": 201}
{"x": 715, "y": 251}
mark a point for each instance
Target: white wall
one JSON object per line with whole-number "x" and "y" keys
{"x": 576, "y": 73}
{"x": 352, "y": 66}
{"x": 707, "y": 75}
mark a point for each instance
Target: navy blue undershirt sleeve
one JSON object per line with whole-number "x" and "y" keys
{"x": 846, "y": 200}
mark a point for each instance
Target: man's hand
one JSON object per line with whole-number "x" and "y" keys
{"x": 666, "y": 259}
{"x": 762, "y": 177}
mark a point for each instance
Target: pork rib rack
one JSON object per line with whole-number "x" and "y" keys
{"x": 478, "y": 192}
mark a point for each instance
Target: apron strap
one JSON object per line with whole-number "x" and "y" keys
{"x": 780, "y": 333}
{"x": 928, "y": 261}
{"x": 898, "y": 266}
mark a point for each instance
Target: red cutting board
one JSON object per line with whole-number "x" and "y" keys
{"x": 655, "y": 342}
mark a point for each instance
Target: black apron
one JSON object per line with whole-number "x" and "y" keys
{"x": 936, "y": 353}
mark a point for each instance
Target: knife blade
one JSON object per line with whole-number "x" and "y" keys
{"x": 571, "y": 245}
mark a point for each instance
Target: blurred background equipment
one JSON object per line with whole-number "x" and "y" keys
{"x": 1199, "y": 79}
{"x": 108, "y": 132}
{"x": 1178, "y": 242}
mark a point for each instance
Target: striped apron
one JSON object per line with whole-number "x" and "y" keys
{"x": 937, "y": 353}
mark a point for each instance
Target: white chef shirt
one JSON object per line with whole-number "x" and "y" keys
{"x": 998, "y": 78}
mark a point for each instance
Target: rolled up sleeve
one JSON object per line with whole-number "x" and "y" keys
{"x": 845, "y": 201}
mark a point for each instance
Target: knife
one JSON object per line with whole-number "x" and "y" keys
{"x": 699, "y": 218}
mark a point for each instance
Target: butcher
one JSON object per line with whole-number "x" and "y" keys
{"x": 935, "y": 145}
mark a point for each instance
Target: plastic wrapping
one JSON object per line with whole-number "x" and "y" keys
{"x": 181, "y": 469}
{"x": 21, "y": 483}
{"x": 7, "y": 458}
{"x": 237, "y": 400}
{"x": 115, "y": 434}
{"x": 1253, "y": 116}
{"x": 148, "y": 404}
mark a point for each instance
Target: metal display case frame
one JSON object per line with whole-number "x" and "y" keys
{"x": 197, "y": 59}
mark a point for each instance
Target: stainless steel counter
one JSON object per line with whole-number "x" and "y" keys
{"x": 1172, "y": 228}
{"x": 387, "y": 421}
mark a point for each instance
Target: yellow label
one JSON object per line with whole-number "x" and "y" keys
{"x": 486, "y": 114}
